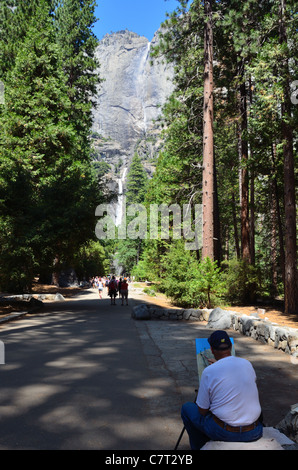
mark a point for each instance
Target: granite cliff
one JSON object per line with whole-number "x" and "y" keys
{"x": 129, "y": 102}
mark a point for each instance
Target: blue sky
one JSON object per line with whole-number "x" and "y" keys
{"x": 143, "y": 17}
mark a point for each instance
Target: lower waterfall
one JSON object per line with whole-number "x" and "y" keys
{"x": 120, "y": 208}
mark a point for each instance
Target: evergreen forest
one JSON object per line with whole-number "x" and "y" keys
{"x": 229, "y": 134}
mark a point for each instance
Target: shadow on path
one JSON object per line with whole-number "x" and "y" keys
{"x": 82, "y": 374}
{"x": 76, "y": 377}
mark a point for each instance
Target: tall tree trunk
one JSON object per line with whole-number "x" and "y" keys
{"x": 278, "y": 214}
{"x": 252, "y": 193}
{"x": 273, "y": 222}
{"x": 252, "y": 218}
{"x": 245, "y": 238}
{"x": 236, "y": 237}
{"x": 56, "y": 271}
{"x": 208, "y": 147}
{"x": 291, "y": 298}
{"x": 217, "y": 228}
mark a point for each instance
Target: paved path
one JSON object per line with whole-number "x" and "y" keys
{"x": 83, "y": 375}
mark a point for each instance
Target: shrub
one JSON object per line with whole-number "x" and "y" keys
{"x": 207, "y": 281}
{"x": 242, "y": 281}
{"x": 188, "y": 282}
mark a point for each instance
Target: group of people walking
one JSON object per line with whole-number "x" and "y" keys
{"x": 114, "y": 287}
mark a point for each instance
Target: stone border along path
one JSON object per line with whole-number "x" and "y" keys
{"x": 283, "y": 338}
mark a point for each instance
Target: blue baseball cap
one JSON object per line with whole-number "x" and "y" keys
{"x": 219, "y": 340}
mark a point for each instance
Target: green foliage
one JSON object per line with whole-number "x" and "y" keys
{"x": 188, "y": 282}
{"x": 73, "y": 21}
{"x": 150, "y": 265}
{"x": 248, "y": 53}
{"x": 128, "y": 250}
{"x": 48, "y": 190}
{"x": 137, "y": 180}
{"x": 91, "y": 260}
{"x": 192, "y": 283}
{"x": 150, "y": 290}
{"x": 207, "y": 281}
{"x": 128, "y": 253}
{"x": 101, "y": 168}
{"x": 242, "y": 281}
{"x": 140, "y": 271}
{"x": 16, "y": 231}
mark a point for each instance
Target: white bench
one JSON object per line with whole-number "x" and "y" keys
{"x": 272, "y": 440}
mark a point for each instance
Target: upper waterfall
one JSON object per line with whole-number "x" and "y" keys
{"x": 133, "y": 91}
{"x": 142, "y": 82}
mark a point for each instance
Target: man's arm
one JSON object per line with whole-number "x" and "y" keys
{"x": 203, "y": 396}
{"x": 203, "y": 412}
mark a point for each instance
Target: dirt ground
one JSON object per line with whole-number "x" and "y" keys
{"x": 67, "y": 292}
{"x": 272, "y": 314}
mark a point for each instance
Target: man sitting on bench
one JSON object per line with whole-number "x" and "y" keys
{"x": 227, "y": 407}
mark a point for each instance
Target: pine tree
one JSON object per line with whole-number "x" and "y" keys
{"x": 74, "y": 20}
{"x": 136, "y": 182}
{"x": 38, "y": 144}
{"x": 22, "y": 147}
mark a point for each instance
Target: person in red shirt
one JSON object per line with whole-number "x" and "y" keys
{"x": 113, "y": 290}
{"x": 124, "y": 291}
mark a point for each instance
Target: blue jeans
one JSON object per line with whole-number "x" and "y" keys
{"x": 202, "y": 429}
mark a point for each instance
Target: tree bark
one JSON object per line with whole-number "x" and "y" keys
{"x": 252, "y": 218}
{"x": 236, "y": 237}
{"x": 278, "y": 214}
{"x": 208, "y": 144}
{"x": 56, "y": 271}
{"x": 273, "y": 245}
{"x": 216, "y": 220}
{"x": 245, "y": 238}
{"x": 252, "y": 194}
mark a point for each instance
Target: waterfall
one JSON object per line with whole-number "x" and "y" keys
{"x": 119, "y": 208}
{"x": 141, "y": 81}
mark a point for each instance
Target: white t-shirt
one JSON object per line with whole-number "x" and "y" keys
{"x": 228, "y": 389}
